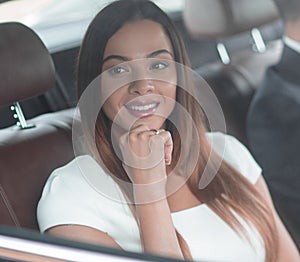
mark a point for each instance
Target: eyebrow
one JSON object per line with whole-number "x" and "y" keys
{"x": 158, "y": 52}
{"x": 123, "y": 58}
{"x": 118, "y": 57}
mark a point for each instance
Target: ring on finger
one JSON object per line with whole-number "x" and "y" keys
{"x": 156, "y": 132}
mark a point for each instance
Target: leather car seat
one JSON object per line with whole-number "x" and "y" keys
{"x": 28, "y": 154}
{"x": 235, "y": 77}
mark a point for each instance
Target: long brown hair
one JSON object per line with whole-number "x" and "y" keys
{"x": 229, "y": 190}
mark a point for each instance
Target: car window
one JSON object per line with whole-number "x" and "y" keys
{"x": 39, "y": 13}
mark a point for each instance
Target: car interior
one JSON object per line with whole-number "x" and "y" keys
{"x": 231, "y": 43}
{"x": 31, "y": 150}
{"x": 245, "y": 41}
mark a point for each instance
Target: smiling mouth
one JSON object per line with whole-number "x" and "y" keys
{"x": 142, "y": 110}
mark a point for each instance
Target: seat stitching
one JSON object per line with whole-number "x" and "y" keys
{"x": 9, "y": 207}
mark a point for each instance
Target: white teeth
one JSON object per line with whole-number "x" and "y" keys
{"x": 142, "y": 108}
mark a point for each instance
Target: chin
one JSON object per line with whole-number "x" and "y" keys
{"x": 151, "y": 122}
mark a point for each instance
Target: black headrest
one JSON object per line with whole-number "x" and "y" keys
{"x": 26, "y": 67}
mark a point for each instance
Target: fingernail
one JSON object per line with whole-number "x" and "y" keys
{"x": 167, "y": 161}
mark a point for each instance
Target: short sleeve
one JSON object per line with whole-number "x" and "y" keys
{"x": 236, "y": 154}
{"x": 68, "y": 198}
{"x": 81, "y": 193}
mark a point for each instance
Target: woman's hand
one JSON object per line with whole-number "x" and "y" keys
{"x": 146, "y": 153}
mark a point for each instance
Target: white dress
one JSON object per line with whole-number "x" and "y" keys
{"x": 70, "y": 198}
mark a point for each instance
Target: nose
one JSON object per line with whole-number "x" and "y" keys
{"x": 141, "y": 87}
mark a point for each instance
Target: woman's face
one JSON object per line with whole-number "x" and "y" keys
{"x": 139, "y": 62}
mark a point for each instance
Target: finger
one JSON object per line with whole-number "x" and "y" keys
{"x": 168, "y": 147}
{"x": 140, "y": 128}
{"x": 140, "y": 132}
{"x": 145, "y": 132}
{"x": 123, "y": 139}
{"x": 138, "y": 141}
{"x": 167, "y": 143}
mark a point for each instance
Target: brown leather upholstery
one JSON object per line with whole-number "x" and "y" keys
{"x": 34, "y": 73}
{"x": 28, "y": 156}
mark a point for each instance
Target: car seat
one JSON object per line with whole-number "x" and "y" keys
{"x": 242, "y": 32}
{"x": 31, "y": 150}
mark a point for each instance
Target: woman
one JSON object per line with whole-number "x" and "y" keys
{"x": 142, "y": 139}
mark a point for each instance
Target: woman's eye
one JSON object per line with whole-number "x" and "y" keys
{"x": 117, "y": 70}
{"x": 159, "y": 65}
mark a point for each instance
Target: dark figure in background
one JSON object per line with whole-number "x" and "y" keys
{"x": 273, "y": 124}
